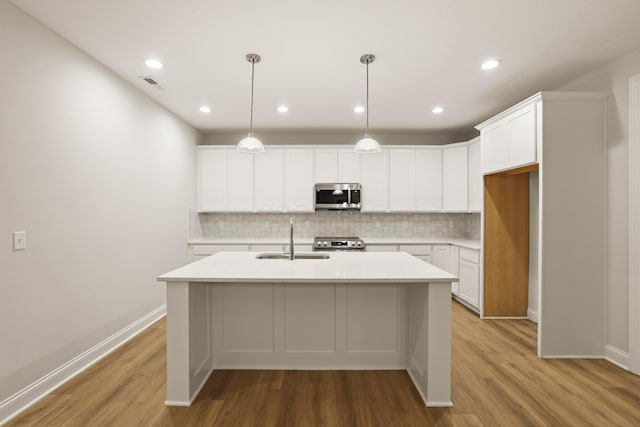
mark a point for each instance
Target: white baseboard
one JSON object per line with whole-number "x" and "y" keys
{"x": 617, "y": 356}
{"x": 532, "y": 315}
{"x": 13, "y": 405}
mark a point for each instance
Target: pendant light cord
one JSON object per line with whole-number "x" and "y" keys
{"x": 366, "y": 133}
{"x": 253, "y": 65}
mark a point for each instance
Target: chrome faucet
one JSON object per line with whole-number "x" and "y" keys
{"x": 291, "y": 255}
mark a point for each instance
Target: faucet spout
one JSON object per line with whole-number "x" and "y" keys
{"x": 291, "y": 254}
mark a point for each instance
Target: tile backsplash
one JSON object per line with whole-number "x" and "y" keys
{"x": 260, "y": 225}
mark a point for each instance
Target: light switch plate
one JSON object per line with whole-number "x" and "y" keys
{"x": 19, "y": 240}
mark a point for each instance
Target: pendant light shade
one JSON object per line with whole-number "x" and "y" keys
{"x": 251, "y": 144}
{"x": 367, "y": 144}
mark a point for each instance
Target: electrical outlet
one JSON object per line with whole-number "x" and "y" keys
{"x": 19, "y": 240}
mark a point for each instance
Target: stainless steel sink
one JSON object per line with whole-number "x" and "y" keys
{"x": 295, "y": 256}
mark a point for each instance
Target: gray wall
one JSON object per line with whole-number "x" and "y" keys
{"x": 614, "y": 77}
{"x": 101, "y": 178}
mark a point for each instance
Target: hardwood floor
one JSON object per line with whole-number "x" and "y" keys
{"x": 497, "y": 381}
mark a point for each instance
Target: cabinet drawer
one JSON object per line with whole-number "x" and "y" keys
{"x": 382, "y": 248}
{"x": 470, "y": 255}
{"x": 416, "y": 249}
{"x": 211, "y": 249}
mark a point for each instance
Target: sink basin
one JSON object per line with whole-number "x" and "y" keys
{"x": 295, "y": 256}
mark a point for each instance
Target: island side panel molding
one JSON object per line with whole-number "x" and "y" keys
{"x": 439, "y": 345}
{"x": 309, "y": 326}
{"x": 189, "y": 361}
{"x": 309, "y": 318}
{"x": 429, "y": 342}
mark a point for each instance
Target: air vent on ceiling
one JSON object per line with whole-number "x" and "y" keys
{"x": 153, "y": 82}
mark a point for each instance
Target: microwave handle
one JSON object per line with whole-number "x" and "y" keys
{"x": 349, "y": 196}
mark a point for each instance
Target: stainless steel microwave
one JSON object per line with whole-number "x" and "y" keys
{"x": 341, "y": 196}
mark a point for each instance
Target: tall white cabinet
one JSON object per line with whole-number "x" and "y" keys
{"x": 562, "y": 135}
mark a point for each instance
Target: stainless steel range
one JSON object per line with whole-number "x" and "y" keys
{"x": 338, "y": 244}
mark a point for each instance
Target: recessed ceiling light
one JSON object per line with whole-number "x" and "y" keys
{"x": 358, "y": 109}
{"x": 490, "y": 64}
{"x": 205, "y": 109}
{"x": 283, "y": 109}
{"x": 437, "y": 110}
{"x": 153, "y": 63}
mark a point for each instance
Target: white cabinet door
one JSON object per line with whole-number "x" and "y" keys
{"x": 440, "y": 257}
{"x": 402, "y": 180}
{"x": 429, "y": 179}
{"x": 520, "y": 134}
{"x": 454, "y": 267}
{"x": 375, "y": 181}
{"x": 469, "y": 282}
{"x": 212, "y": 180}
{"x": 298, "y": 180}
{"x": 494, "y": 150}
{"x": 348, "y": 166}
{"x": 454, "y": 193}
{"x": 268, "y": 184}
{"x": 326, "y": 165}
{"x": 475, "y": 177}
{"x": 240, "y": 181}
{"x": 511, "y": 142}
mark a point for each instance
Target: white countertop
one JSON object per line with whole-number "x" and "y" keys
{"x": 362, "y": 267}
{"x": 470, "y": 244}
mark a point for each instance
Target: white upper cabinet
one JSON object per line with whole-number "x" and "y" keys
{"x": 240, "y": 181}
{"x": 455, "y": 179}
{"x": 326, "y": 165}
{"x": 348, "y": 166}
{"x": 402, "y": 180}
{"x": 429, "y": 179}
{"x": 337, "y": 165}
{"x": 375, "y": 181}
{"x": 510, "y": 142}
{"x": 298, "y": 180}
{"x": 268, "y": 169}
{"x": 475, "y": 176}
{"x": 212, "y": 180}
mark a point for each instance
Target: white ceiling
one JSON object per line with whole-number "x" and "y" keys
{"x": 428, "y": 53}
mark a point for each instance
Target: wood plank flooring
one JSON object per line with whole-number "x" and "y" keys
{"x": 497, "y": 381}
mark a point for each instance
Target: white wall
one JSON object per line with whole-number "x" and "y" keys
{"x": 101, "y": 178}
{"x": 614, "y": 77}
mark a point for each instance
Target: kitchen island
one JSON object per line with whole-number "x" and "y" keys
{"x": 382, "y": 310}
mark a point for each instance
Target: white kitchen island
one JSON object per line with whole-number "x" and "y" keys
{"x": 382, "y": 310}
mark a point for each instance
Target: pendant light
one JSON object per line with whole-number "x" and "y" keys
{"x": 367, "y": 144}
{"x": 251, "y": 144}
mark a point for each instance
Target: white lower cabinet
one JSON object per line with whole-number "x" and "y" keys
{"x": 197, "y": 252}
{"x": 440, "y": 257}
{"x": 422, "y": 252}
{"x": 469, "y": 275}
{"x": 454, "y": 267}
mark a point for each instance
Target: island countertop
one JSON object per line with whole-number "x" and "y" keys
{"x": 362, "y": 267}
